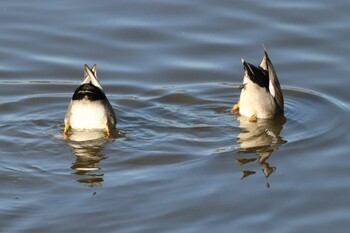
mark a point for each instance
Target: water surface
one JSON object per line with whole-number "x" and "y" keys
{"x": 181, "y": 161}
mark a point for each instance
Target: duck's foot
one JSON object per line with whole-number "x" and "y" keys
{"x": 235, "y": 108}
{"x": 253, "y": 118}
{"x": 108, "y": 132}
{"x": 65, "y": 131}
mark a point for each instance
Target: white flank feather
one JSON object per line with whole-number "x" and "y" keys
{"x": 88, "y": 115}
{"x": 272, "y": 89}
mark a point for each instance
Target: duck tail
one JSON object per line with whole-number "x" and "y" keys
{"x": 91, "y": 76}
{"x": 265, "y": 59}
{"x": 248, "y": 68}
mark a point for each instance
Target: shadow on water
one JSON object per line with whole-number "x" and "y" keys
{"x": 87, "y": 146}
{"x": 262, "y": 138}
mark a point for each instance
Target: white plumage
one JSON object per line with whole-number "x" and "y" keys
{"x": 261, "y": 94}
{"x": 88, "y": 115}
{"x": 89, "y": 108}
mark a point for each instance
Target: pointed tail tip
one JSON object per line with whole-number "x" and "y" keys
{"x": 245, "y": 64}
{"x": 94, "y": 68}
{"x": 265, "y": 51}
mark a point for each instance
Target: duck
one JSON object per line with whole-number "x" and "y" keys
{"x": 261, "y": 95}
{"x": 89, "y": 108}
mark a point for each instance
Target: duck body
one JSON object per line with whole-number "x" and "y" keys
{"x": 261, "y": 94}
{"x": 89, "y": 108}
{"x": 260, "y": 104}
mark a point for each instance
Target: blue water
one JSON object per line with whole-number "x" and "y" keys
{"x": 181, "y": 161}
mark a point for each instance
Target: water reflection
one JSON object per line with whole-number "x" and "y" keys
{"x": 262, "y": 138}
{"x": 87, "y": 147}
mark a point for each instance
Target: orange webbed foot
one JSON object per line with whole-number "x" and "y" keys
{"x": 65, "y": 131}
{"x": 235, "y": 108}
{"x": 253, "y": 118}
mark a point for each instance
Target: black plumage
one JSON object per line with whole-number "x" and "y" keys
{"x": 89, "y": 91}
{"x": 257, "y": 75}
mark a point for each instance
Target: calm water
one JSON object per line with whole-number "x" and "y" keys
{"x": 181, "y": 161}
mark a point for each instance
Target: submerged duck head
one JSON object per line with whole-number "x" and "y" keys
{"x": 89, "y": 108}
{"x": 261, "y": 95}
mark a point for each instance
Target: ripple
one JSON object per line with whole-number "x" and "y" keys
{"x": 168, "y": 125}
{"x": 185, "y": 113}
{"x": 178, "y": 166}
{"x": 312, "y": 119}
{"x": 311, "y": 114}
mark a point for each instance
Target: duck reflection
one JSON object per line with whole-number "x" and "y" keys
{"x": 262, "y": 138}
{"x": 87, "y": 147}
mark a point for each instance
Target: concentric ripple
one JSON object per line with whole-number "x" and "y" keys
{"x": 313, "y": 115}
{"x": 186, "y": 119}
{"x": 166, "y": 132}
{"x": 311, "y": 120}
{"x": 167, "y": 124}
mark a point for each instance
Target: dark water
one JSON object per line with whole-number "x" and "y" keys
{"x": 182, "y": 162}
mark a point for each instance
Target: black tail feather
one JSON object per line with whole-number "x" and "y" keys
{"x": 90, "y": 92}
